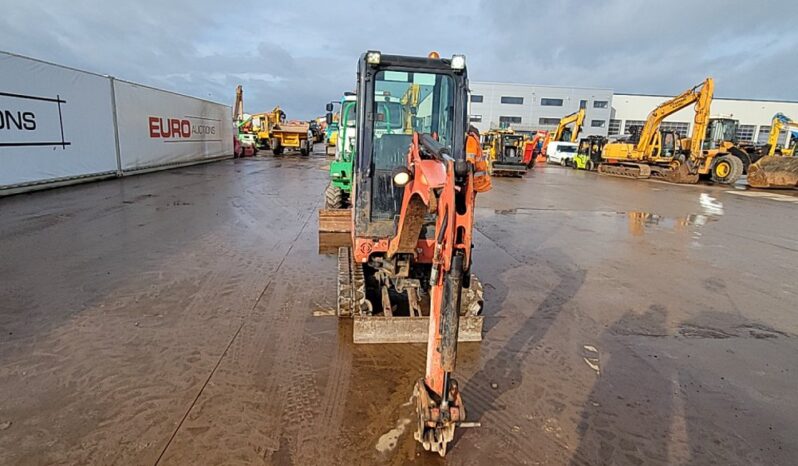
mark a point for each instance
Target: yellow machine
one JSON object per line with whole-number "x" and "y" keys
{"x": 651, "y": 152}
{"x": 505, "y": 149}
{"x": 563, "y": 133}
{"x": 778, "y": 168}
{"x": 781, "y": 121}
{"x": 262, "y": 124}
{"x": 410, "y": 100}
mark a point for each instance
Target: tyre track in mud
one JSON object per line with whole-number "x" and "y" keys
{"x": 501, "y": 380}
{"x": 240, "y": 346}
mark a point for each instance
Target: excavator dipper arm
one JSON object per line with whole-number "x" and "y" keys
{"x": 439, "y": 404}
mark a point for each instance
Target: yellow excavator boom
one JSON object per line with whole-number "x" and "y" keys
{"x": 701, "y": 95}
{"x": 780, "y": 121}
{"x": 577, "y": 119}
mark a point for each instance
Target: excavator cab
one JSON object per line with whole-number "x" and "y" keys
{"x": 387, "y": 135}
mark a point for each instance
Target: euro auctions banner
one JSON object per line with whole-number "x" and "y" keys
{"x": 55, "y": 123}
{"x": 159, "y": 127}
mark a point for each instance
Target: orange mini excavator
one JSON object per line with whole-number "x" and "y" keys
{"x": 406, "y": 277}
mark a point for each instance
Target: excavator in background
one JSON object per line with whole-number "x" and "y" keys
{"x": 778, "y": 168}
{"x": 406, "y": 274}
{"x": 780, "y": 122}
{"x": 563, "y": 133}
{"x": 506, "y": 152}
{"x": 532, "y": 147}
{"x": 651, "y": 152}
{"x": 246, "y": 141}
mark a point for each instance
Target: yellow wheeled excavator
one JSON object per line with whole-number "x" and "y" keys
{"x": 651, "y": 152}
{"x": 778, "y": 168}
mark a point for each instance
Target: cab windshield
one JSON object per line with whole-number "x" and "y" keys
{"x": 404, "y": 103}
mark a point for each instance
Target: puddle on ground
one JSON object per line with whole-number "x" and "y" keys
{"x": 711, "y": 210}
{"x": 330, "y": 242}
{"x": 387, "y": 441}
{"x": 710, "y": 205}
{"x": 640, "y": 222}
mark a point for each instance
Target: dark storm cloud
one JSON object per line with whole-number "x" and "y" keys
{"x": 301, "y": 54}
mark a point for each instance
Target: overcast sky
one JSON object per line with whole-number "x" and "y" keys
{"x": 301, "y": 54}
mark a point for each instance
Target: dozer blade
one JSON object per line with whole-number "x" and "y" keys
{"x": 409, "y": 329}
{"x": 335, "y": 220}
{"x": 335, "y": 227}
{"x": 774, "y": 171}
{"x": 509, "y": 170}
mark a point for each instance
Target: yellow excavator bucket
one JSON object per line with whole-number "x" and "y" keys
{"x": 774, "y": 171}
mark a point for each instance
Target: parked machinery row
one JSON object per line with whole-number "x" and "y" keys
{"x": 711, "y": 152}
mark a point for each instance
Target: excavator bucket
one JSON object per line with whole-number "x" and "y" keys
{"x": 774, "y": 171}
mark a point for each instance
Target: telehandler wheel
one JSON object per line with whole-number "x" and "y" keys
{"x": 727, "y": 169}
{"x": 333, "y": 197}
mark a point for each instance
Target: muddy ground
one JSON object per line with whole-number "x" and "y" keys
{"x": 168, "y": 318}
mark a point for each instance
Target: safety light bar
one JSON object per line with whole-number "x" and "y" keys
{"x": 373, "y": 57}
{"x": 458, "y": 62}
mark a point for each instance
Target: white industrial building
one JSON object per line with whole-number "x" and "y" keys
{"x": 532, "y": 107}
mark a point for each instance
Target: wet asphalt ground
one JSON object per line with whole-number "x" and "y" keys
{"x": 168, "y": 318}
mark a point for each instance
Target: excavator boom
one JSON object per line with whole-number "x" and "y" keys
{"x": 779, "y": 167}
{"x": 701, "y": 95}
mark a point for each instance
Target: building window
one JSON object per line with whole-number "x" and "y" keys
{"x": 746, "y": 132}
{"x": 506, "y": 120}
{"x": 680, "y": 127}
{"x": 630, "y": 123}
{"x": 600, "y": 104}
{"x": 583, "y": 104}
{"x": 475, "y": 118}
{"x": 477, "y": 99}
{"x": 549, "y": 121}
{"x": 615, "y": 127}
{"x": 597, "y": 123}
{"x": 764, "y": 134}
{"x": 551, "y": 102}
{"x": 512, "y": 100}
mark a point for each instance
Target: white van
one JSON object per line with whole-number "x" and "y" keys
{"x": 561, "y": 152}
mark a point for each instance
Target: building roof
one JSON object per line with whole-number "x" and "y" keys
{"x": 497, "y": 83}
